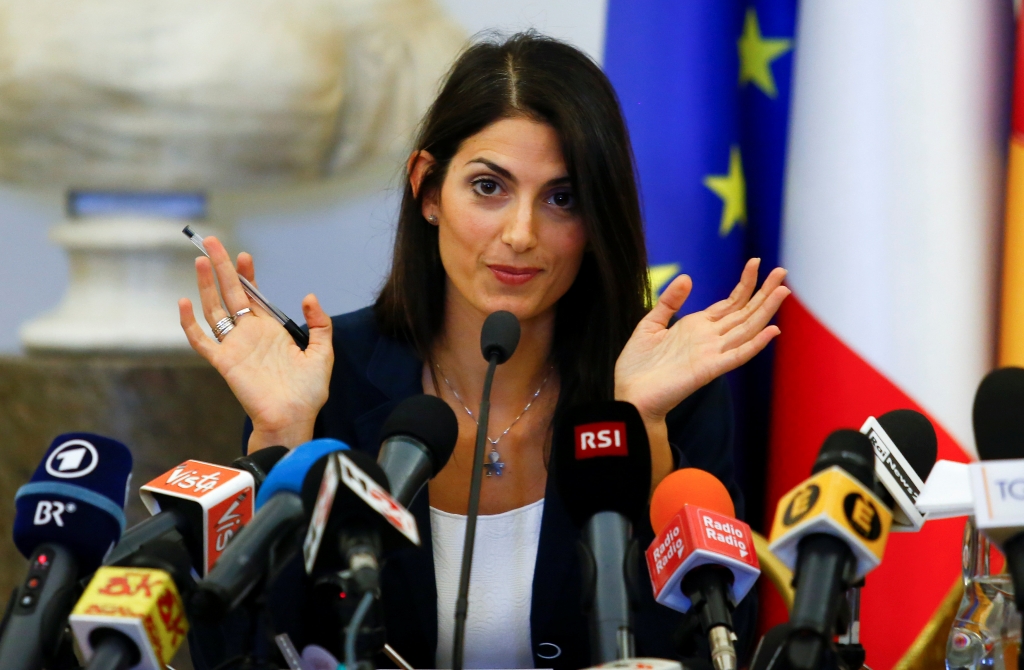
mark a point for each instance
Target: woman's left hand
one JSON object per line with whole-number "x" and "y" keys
{"x": 661, "y": 366}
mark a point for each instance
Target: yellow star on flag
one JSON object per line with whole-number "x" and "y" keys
{"x": 757, "y": 54}
{"x": 660, "y": 276}
{"x": 732, "y": 189}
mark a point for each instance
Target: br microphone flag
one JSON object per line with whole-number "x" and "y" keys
{"x": 892, "y": 205}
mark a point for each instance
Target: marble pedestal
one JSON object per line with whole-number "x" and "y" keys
{"x": 165, "y": 408}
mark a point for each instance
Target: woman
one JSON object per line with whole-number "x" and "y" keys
{"x": 521, "y": 197}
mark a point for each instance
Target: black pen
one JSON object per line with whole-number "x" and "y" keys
{"x": 300, "y": 337}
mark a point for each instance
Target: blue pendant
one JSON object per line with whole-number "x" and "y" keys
{"x": 495, "y": 466}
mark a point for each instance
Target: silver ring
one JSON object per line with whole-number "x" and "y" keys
{"x": 241, "y": 312}
{"x": 223, "y": 327}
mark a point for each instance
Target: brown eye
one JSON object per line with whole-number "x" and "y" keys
{"x": 486, "y": 186}
{"x": 563, "y": 199}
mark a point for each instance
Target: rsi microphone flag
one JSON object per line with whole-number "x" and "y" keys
{"x": 893, "y": 179}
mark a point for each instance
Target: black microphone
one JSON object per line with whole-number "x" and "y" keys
{"x": 68, "y": 517}
{"x": 355, "y": 524}
{"x": 999, "y": 435}
{"x": 602, "y": 468}
{"x": 416, "y": 442}
{"x": 260, "y": 462}
{"x": 826, "y": 565}
{"x": 498, "y": 340}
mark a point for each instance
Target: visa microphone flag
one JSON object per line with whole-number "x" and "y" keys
{"x": 893, "y": 177}
{"x": 214, "y": 500}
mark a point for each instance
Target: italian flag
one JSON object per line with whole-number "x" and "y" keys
{"x": 891, "y": 230}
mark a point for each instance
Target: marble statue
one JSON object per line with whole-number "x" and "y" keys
{"x": 195, "y": 95}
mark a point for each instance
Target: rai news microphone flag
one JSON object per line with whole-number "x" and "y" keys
{"x": 704, "y": 88}
{"x": 890, "y": 231}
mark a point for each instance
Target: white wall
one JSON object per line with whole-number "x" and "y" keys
{"x": 332, "y": 238}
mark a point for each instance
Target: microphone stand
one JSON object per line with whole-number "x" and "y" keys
{"x": 849, "y": 648}
{"x": 462, "y": 601}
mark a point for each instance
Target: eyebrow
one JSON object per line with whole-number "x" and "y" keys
{"x": 508, "y": 175}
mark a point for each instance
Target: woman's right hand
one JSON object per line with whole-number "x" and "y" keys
{"x": 280, "y": 386}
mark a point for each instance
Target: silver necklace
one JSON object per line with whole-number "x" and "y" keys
{"x": 494, "y": 465}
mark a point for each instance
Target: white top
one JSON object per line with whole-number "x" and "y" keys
{"x": 500, "y": 586}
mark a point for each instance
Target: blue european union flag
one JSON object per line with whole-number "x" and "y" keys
{"x": 705, "y": 88}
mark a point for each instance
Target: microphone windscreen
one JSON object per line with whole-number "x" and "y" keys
{"x": 688, "y": 486}
{"x": 290, "y": 471}
{"x": 75, "y": 498}
{"x": 852, "y": 451}
{"x": 499, "y": 335}
{"x": 914, "y": 435}
{"x": 348, "y": 510}
{"x": 260, "y": 462}
{"x": 602, "y": 461}
{"x": 428, "y": 419}
{"x": 999, "y": 415}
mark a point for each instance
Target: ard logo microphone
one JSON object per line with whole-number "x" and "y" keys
{"x": 219, "y": 499}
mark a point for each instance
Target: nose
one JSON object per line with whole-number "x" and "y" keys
{"x": 520, "y": 231}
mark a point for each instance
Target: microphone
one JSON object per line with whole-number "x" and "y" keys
{"x": 499, "y": 338}
{"x": 205, "y": 504}
{"x": 702, "y": 558}
{"x": 260, "y": 462}
{"x": 997, "y": 482}
{"x": 67, "y": 518}
{"x": 133, "y": 616}
{"x": 417, "y": 440}
{"x": 279, "y": 515}
{"x": 602, "y": 466}
{"x": 905, "y": 449}
{"x": 831, "y": 530}
{"x": 355, "y": 522}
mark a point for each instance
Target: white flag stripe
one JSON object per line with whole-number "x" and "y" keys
{"x": 894, "y": 187}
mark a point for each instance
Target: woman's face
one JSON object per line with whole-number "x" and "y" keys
{"x": 510, "y": 232}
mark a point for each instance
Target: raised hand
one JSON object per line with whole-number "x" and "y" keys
{"x": 280, "y": 386}
{"x": 661, "y": 366}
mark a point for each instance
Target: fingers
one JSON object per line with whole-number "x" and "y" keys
{"x": 320, "y": 326}
{"x": 740, "y": 295}
{"x": 743, "y": 353}
{"x": 213, "y": 310}
{"x": 246, "y": 267}
{"x": 772, "y": 281}
{"x": 202, "y": 344}
{"x": 230, "y": 287}
{"x": 670, "y": 302}
{"x": 757, "y": 321}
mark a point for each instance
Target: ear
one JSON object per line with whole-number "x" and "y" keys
{"x": 417, "y": 167}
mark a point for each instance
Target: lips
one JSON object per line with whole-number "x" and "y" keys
{"x": 513, "y": 276}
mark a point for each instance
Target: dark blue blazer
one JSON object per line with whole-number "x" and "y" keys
{"x": 372, "y": 374}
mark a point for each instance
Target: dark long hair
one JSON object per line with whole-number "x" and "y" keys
{"x": 554, "y": 83}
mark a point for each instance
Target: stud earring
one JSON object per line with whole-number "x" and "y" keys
{"x": 433, "y": 219}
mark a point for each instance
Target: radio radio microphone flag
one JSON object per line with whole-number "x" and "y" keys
{"x": 893, "y": 178}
